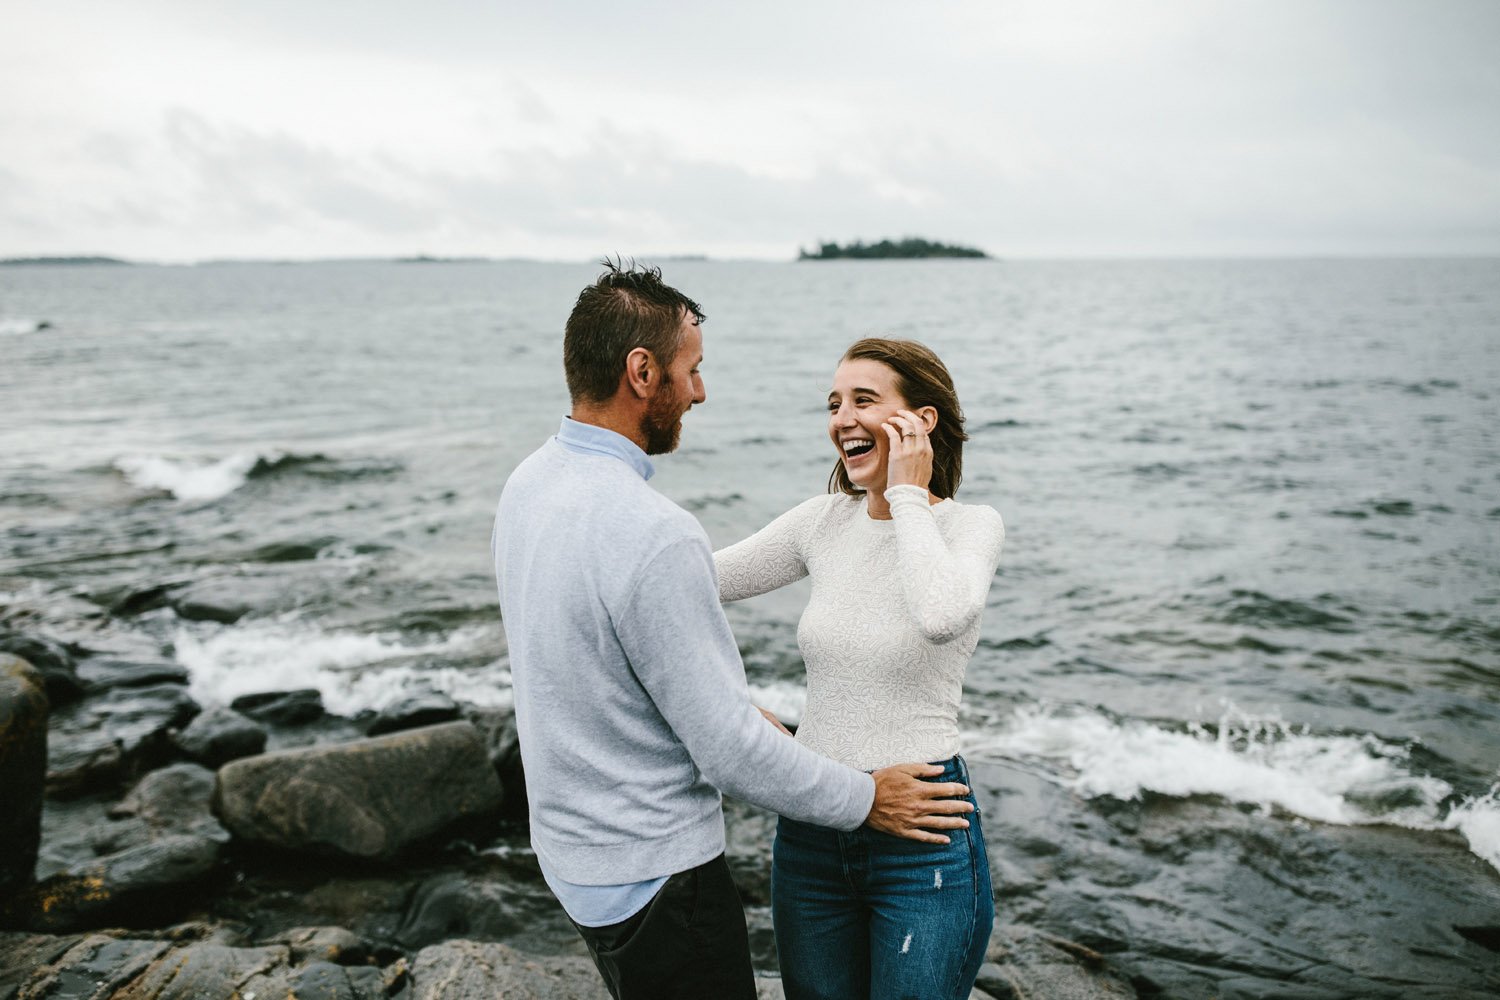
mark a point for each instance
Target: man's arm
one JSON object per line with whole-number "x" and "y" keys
{"x": 678, "y": 642}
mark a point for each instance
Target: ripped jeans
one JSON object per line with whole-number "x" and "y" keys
{"x": 866, "y": 914}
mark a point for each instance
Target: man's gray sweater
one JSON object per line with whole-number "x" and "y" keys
{"x": 631, "y": 702}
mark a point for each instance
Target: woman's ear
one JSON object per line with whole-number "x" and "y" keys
{"x": 640, "y": 372}
{"x": 929, "y": 417}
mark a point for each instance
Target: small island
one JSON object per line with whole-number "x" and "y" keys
{"x": 908, "y": 248}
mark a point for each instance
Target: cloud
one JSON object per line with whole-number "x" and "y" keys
{"x": 183, "y": 130}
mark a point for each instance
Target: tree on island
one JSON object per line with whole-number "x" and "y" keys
{"x": 909, "y": 247}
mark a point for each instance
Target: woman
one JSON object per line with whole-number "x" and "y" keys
{"x": 900, "y": 572}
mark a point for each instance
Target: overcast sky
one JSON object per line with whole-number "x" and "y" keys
{"x": 191, "y": 129}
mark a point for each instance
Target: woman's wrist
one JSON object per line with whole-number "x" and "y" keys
{"x": 906, "y": 492}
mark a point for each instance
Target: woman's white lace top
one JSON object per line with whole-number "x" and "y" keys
{"x": 892, "y": 621}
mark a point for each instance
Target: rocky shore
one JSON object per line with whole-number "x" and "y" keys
{"x": 154, "y": 848}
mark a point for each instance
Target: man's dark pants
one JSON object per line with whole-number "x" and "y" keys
{"x": 689, "y": 942}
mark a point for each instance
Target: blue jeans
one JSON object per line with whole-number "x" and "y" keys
{"x": 866, "y": 914}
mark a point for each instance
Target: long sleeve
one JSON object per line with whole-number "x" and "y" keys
{"x": 772, "y": 557}
{"x": 945, "y": 583}
{"x": 678, "y": 643}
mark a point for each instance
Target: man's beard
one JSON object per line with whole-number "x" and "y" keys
{"x": 661, "y": 424}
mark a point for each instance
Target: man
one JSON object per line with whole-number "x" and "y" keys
{"x": 631, "y": 702}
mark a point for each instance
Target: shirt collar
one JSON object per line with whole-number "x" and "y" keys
{"x": 591, "y": 439}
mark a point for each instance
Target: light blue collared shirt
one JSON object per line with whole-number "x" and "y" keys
{"x": 591, "y": 439}
{"x": 602, "y": 905}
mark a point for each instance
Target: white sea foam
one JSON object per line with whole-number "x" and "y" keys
{"x": 786, "y": 701}
{"x": 188, "y": 480}
{"x": 1351, "y": 780}
{"x": 351, "y": 671}
{"x": 1478, "y": 819}
{"x": 11, "y": 326}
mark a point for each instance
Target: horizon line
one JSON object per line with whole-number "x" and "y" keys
{"x": 108, "y": 260}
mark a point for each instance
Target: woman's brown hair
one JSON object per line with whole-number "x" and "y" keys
{"x": 922, "y": 380}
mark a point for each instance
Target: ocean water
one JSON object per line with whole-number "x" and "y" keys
{"x": 1253, "y": 507}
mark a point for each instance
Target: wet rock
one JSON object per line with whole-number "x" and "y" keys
{"x": 108, "y": 738}
{"x": 367, "y": 799}
{"x": 459, "y": 906}
{"x": 993, "y": 983}
{"x": 110, "y": 967}
{"x": 102, "y": 673}
{"x": 281, "y": 708}
{"x": 504, "y": 742}
{"x": 128, "y": 603}
{"x": 1031, "y": 963}
{"x": 52, "y": 659}
{"x": 227, "y": 600}
{"x": 140, "y": 886}
{"x": 411, "y": 713}
{"x": 220, "y": 735}
{"x": 94, "y": 968}
{"x": 748, "y": 833}
{"x": 82, "y": 762}
{"x": 175, "y": 800}
{"x": 325, "y": 944}
{"x": 205, "y": 969}
{"x": 471, "y": 970}
{"x": 23, "y": 769}
{"x": 326, "y": 981}
{"x": 22, "y": 954}
{"x": 291, "y": 551}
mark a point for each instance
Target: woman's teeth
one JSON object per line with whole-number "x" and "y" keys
{"x": 857, "y": 446}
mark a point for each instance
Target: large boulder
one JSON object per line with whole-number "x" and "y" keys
{"x": 23, "y": 769}
{"x": 367, "y": 799}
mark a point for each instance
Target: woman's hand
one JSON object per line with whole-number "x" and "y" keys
{"x": 771, "y": 718}
{"x": 909, "y": 460}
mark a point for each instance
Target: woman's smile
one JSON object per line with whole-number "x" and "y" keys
{"x": 864, "y": 397}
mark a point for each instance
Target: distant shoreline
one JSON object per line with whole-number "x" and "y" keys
{"x": 65, "y": 262}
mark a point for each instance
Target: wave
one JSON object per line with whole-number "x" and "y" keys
{"x": 189, "y": 480}
{"x": 352, "y": 671}
{"x": 14, "y": 326}
{"x": 198, "y": 480}
{"x": 1341, "y": 779}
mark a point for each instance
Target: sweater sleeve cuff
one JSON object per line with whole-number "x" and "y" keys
{"x": 906, "y": 495}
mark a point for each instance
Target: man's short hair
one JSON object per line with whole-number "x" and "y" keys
{"x": 625, "y": 308}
